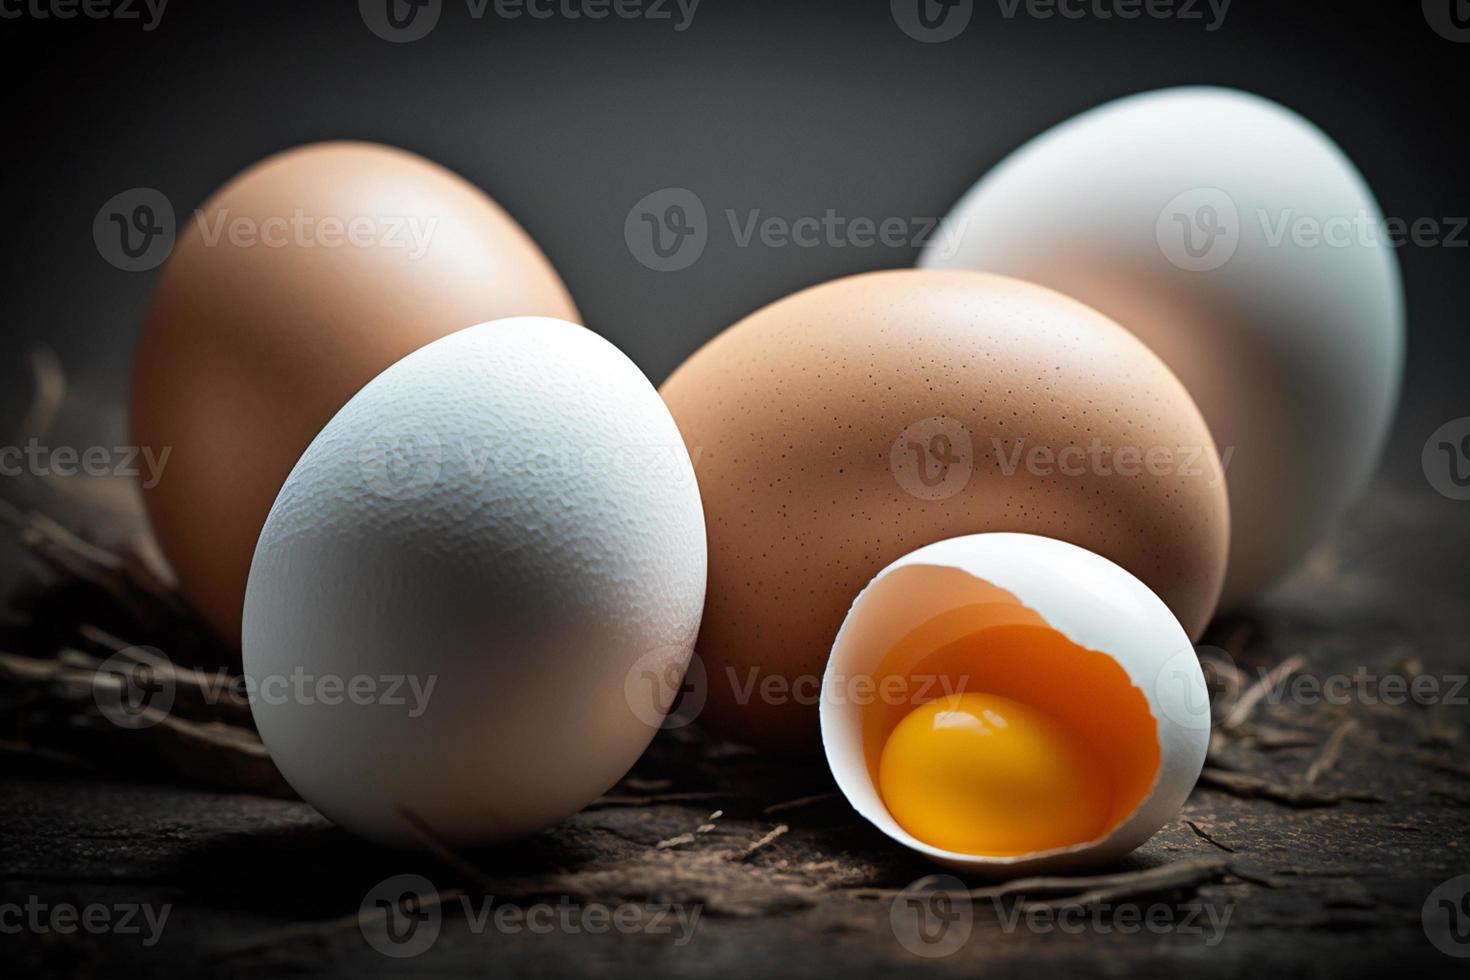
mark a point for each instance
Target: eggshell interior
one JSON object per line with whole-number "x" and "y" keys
{"x": 952, "y": 588}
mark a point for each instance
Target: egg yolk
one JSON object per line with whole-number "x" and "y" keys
{"x": 984, "y": 774}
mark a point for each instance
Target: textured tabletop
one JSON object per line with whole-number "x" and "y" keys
{"x": 1334, "y": 804}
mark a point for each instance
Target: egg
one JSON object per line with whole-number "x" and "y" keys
{"x": 1010, "y": 704}
{"x": 473, "y": 587}
{"x": 292, "y": 287}
{"x": 1241, "y": 244}
{"x": 846, "y": 425}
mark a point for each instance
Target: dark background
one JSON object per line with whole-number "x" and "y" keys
{"x": 793, "y": 109}
{"x": 790, "y": 108}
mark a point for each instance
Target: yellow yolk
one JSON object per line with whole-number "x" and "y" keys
{"x": 984, "y": 774}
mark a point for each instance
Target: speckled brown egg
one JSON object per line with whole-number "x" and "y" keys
{"x": 842, "y": 427}
{"x": 296, "y": 284}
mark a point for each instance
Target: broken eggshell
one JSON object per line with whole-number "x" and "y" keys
{"x": 1041, "y": 621}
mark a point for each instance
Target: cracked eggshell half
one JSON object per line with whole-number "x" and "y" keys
{"x": 502, "y": 528}
{"x": 1042, "y": 622}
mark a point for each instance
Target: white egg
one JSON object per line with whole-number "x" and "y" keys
{"x": 477, "y": 588}
{"x": 1051, "y": 626}
{"x": 1241, "y": 244}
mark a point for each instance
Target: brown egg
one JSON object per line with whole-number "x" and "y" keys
{"x": 843, "y": 427}
{"x": 296, "y": 284}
